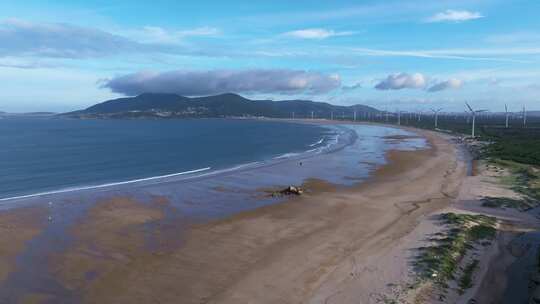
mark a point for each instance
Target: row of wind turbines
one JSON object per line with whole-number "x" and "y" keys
{"x": 436, "y": 112}
{"x": 507, "y": 116}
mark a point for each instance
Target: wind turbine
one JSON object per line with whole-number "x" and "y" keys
{"x": 437, "y": 116}
{"x": 399, "y": 118}
{"x": 507, "y": 114}
{"x": 354, "y": 115}
{"x": 524, "y": 117}
{"x": 473, "y": 112}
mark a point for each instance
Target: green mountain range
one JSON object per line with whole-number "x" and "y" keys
{"x": 160, "y": 105}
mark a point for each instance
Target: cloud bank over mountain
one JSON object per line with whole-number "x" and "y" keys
{"x": 196, "y": 83}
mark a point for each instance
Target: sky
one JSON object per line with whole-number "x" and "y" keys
{"x": 394, "y": 55}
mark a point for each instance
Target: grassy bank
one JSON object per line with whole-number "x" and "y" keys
{"x": 523, "y": 179}
{"x": 440, "y": 261}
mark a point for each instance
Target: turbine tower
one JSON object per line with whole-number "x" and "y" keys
{"x": 473, "y": 112}
{"x": 437, "y": 116}
{"x": 507, "y": 114}
{"x": 524, "y": 117}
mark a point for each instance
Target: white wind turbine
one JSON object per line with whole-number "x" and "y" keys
{"x": 524, "y": 117}
{"x": 436, "y": 116}
{"x": 507, "y": 114}
{"x": 473, "y": 112}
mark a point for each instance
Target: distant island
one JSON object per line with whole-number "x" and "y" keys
{"x": 159, "y": 105}
{"x": 2, "y": 113}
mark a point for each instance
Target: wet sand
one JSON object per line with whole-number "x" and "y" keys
{"x": 334, "y": 244}
{"x": 16, "y": 228}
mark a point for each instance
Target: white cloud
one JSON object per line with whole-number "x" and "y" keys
{"x": 457, "y": 54}
{"x": 155, "y": 34}
{"x": 16, "y": 63}
{"x": 197, "y": 83}
{"x": 60, "y": 40}
{"x": 386, "y": 11}
{"x": 316, "y": 33}
{"x": 452, "y": 83}
{"x": 454, "y": 16}
{"x": 417, "y": 81}
{"x": 402, "y": 81}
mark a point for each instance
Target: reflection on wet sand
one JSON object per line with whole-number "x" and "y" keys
{"x": 16, "y": 228}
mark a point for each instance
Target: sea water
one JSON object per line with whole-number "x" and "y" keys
{"x": 43, "y": 155}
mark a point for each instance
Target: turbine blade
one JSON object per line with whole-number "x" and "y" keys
{"x": 468, "y": 106}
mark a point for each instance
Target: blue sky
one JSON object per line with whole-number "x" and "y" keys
{"x": 410, "y": 55}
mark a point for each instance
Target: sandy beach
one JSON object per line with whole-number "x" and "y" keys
{"x": 334, "y": 244}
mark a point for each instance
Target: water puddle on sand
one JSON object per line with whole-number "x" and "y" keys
{"x": 508, "y": 279}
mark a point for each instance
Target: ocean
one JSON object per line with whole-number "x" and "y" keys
{"x": 41, "y": 155}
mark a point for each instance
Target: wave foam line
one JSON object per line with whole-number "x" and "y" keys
{"x": 243, "y": 166}
{"x": 317, "y": 143}
{"x": 286, "y": 155}
{"x": 105, "y": 185}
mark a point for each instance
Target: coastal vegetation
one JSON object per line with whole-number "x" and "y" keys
{"x": 505, "y": 202}
{"x": 524, "y": 179}
{"x": 518, "y": 143}
{"x": 440, "y": 261}
{"x": 466, "y": 280}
